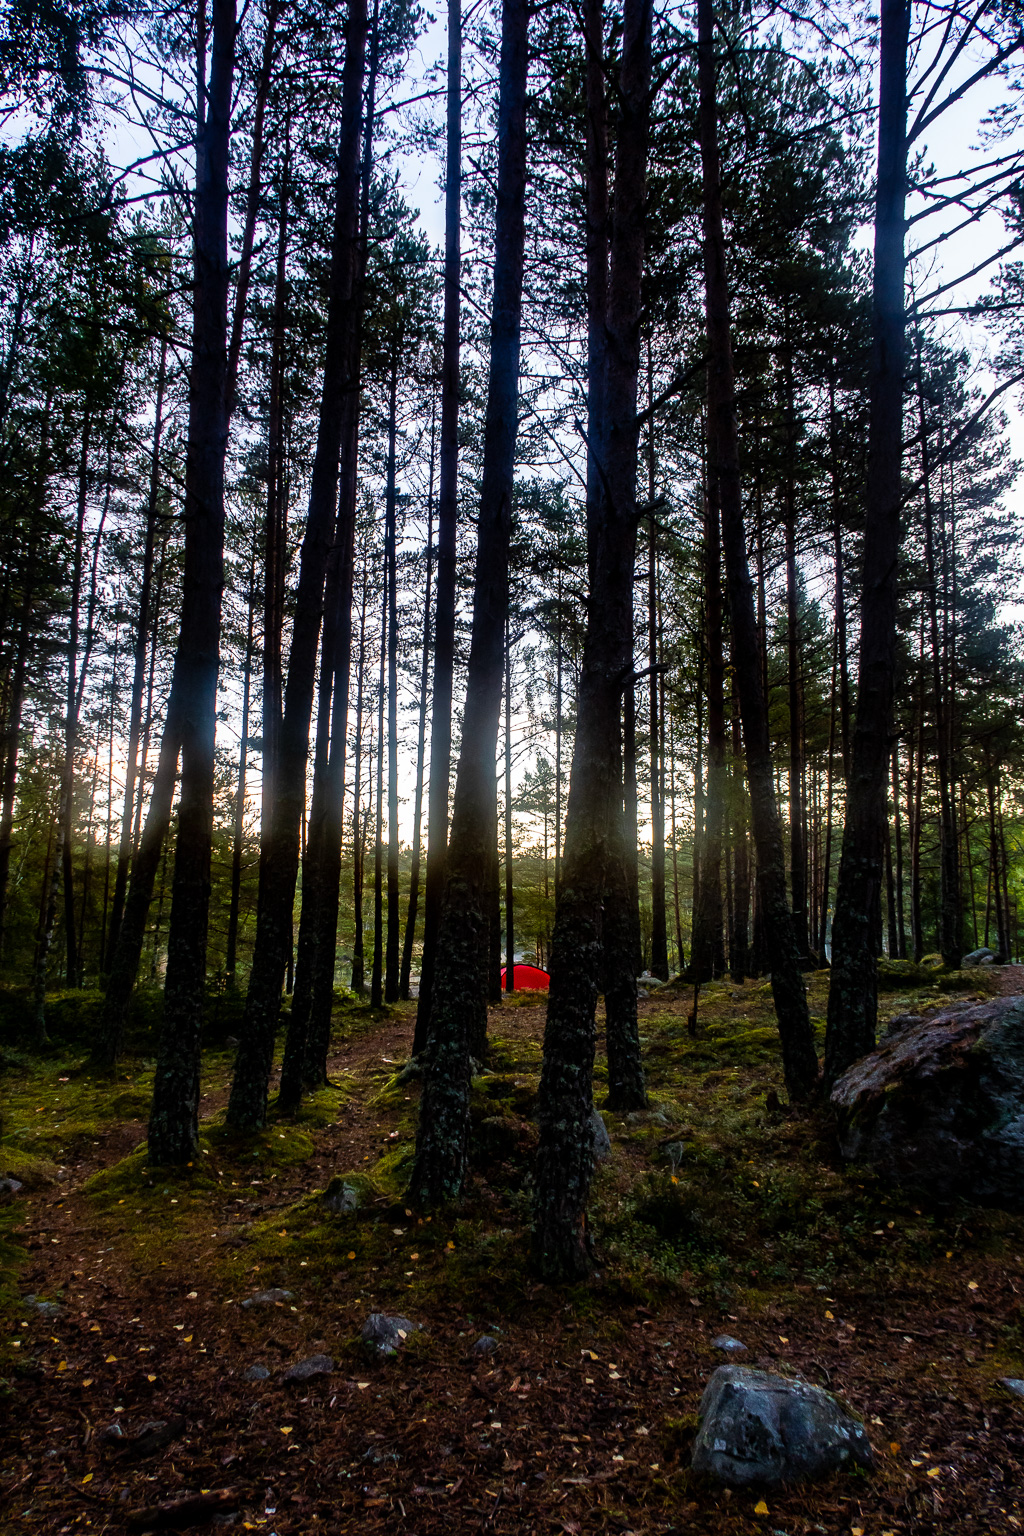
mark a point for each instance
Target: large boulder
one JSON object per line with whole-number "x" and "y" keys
{"x": 939, "y": 1106}
{"x": 760, "y": 1430}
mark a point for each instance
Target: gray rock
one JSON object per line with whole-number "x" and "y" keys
{"x": 939, "y": 1106}
{"x": 485, "y": 1345}
{"x": 976, "y": 956}
{"x": 602, "y": 1141}
{"x": 9, "y": 1188}
{"x": 1013, "y": 1384}
{"x": 255, "y": 1373}
{"x": 760, "y": 1430}
{"x": 988, "y": 960}
{"x": 728, "y": 1345}
{"x": 343, "y": 1201}
{"x": 385, "y": 1334}
{"x": 44, "y": 1308}
{"x": 110, "y": 1434}
{"x": 267, "y": 1298}
{"x": 308, "y": 1369}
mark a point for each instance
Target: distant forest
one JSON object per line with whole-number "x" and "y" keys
{"x": 628, "y": 584}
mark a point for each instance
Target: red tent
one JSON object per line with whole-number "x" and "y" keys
{"x": 528, "y": 978}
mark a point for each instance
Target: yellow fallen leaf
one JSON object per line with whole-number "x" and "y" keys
{"x": 87, "y": 1478}
{"x": 451, "y": 1245}
{"x": 362, "y": 1385}
{"x": 934, "y": 1471}
{"x": 588, "y": 1354}
{"x": 151, "y": 1378}
{"x": 972, "y": 1285}
{"x": 87, "y": 1382}
{"x": 760, "y": 1508}
{"x": 894, "y": 1446}
{"x": 351, "y": 1255}
{"x": 62, "y": 1366}
{"x": 830, "y": 1315}
{"x": 110, "y": 1359}
{"x": 187, "y": 1339}
{"x": 783, "y": 1339}
{"x": 285, "y": 1429}
{"x": 856, "y": 1530}
{"x": 414, "y": 1256}
{"x": 914, "y": 1463}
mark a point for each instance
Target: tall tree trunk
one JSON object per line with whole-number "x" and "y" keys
{"x": 377, "y": 970}
{"x": 794, "y": 667}
{"x": 358, "y": 824}
{"x": 901, "y": 927}
{"x": 421, "y": 736}
{"x": 280, "y": 852}
{"x": 740, "y": 938}
{"x": 593, "y": 853}
{"x": 950, "y": 909}
{"x": 391, "y": 977}
{"x": 174, "y": 1119}
{"x": 510, "y": 884}
{"x": 707, "y": 955}
{"x": 800, "y": 1062}
{"x": 458, "y": 1001}
{"x": 659, "y": 920}
{"x": 231, "y": 947}
{"x": 142, "y": 636}
{"x": 67, "y": 787}
{"x": 447, "y": 518}
{"x": 853, "y": 995}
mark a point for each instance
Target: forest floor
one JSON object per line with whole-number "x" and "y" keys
{"x": 715, "y": 1213}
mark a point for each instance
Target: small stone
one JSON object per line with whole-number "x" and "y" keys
{"x": 385, "y": 1334}
{"x": 343, "y": 1201}
{"x": 728, "y": 1345}
{"x": 231, "y": 1040}
{"x": 44, "y": 1308}
{"x": 267, "y": 1298}
{"x": 977, "y": 957}
{"x": 485, "y": 1345}
{"x": 306, "y": 1370}
{"x": 110, "y": 1434}
{"x": 9, "y": 1188}
{"x": 1013, "y": 1384}
{"x": 602, "y": 1141}
{"x": 255, "y": 1373}
{"x": 760, "y": 1430}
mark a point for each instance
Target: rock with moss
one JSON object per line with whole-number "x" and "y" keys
{"x": 939, "y": 1106}
{"x": 269, "y": 1298}
{"x": 762, "y": 1431}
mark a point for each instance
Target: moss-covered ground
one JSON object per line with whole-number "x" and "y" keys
{"x": 719, "y": 1211}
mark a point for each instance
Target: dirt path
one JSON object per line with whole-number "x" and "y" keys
{"x": 580, "y": 1420}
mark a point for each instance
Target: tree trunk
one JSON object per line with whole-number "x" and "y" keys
{"x": 231, "y": 947}
{"x": 458, "y": 1002}
{"x": 593, "y": 850}
{"x": 280, "y": 851}
{"x": 421, "y": 735}
{"x": 358, "y": 824}
{"x": 510, "y": 884}
{"x": 659, "y": 919}
{"x": 377, "y": 970}
{"x": 391, "y": 975}
{"x": 447, "y": 518}
{"x": 707, "y": 955}
{"x": 142, "y": 635}
{"x": 67, "y": 788}
{"x": 800, "y": 1062}
{"x": 174, "y": 1120}
{"x": 797, "y": 808}
{"x": 853, "y": 995}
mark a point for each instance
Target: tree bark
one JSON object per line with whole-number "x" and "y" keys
{"x": 458, "y": 1002}
{"x": 142, "y": 635}
{"x": 593, "y": 849}
{"x": 280, "y": 851}
{"x": 391, "y": 972}
{"x": 231, "y": 946}
{"x": 447, "y": 519}
{"x": 799, "y": 1059}
{"x": 421, "y": 736}
{"x": 853, "y": 995}
{"x": 174, "y": 1119}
